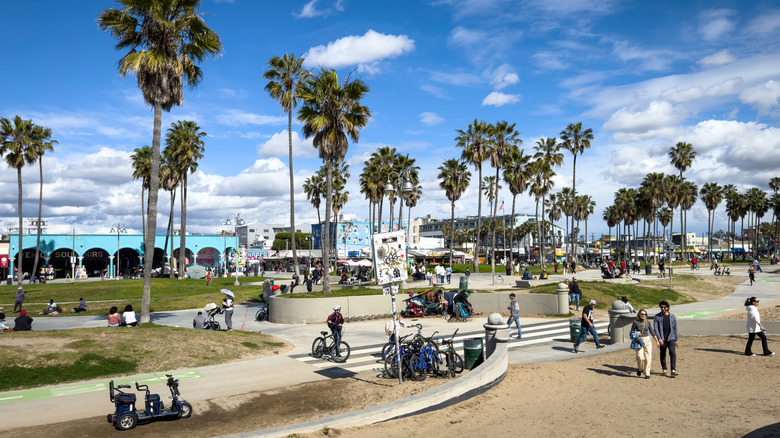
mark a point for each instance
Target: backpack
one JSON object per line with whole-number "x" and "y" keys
{"x": 389, "y": 328}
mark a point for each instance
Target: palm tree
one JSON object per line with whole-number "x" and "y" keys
{"x": 729, "y": 191}
{"x": 587, "y": 207}
{"x": 285, "y": 75}
{"x": 372, "y": 187}
{"x": 655, "y": 191}
{"x": 170, "y": 178}
{"x": 503, "y": 139}
{"x": 757, "y": 204}
{"x": 18, "y": 138}
{"x": 688, "y": 195}
{"x": 454, "y": 178}
{"x": 682, "y": 156}
{"x": 186, "y": 140}
{"x": 331, "y": 112}
{"x": 611, "y": 217}
{"x": 491, "y": 188}
{"x": 411, "y": 199}
{"x": 476, "y": 149}
{"x": 540, "y": 184}
{"x": 554, "y": 214}
{"x": 340, "y": 196}
{"x": 384, "y": 158}
{"x": 712, "y": 195}
{"x": 142, "y": 169}
{"x": 665, "y": 216}
{"x": 548, "y": 150}
{"x": 673, "y": 182}
{"x": 312, "y": 187}
{"x": 42, "y": 142}
{"x": 575, "y": 140}
{"x": 405, "y": 167}
{"x": 516, "y": 178}
{"x": 165, "y": 39}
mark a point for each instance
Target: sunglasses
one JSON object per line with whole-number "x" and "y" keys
{"x": 643, "y": 314}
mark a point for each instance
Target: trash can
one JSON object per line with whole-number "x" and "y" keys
{"x": 9, "y": 281}
{"x": 472, "y": 352}
{"x": 575, "y": 328}
{"x": 648, "y": 268}
{"x": 464, "y": 282}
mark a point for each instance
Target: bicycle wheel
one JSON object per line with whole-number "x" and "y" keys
{"x": 457, "y": 362}
{"x": 432, "y": 362}
{"x": 418, "y": 368}
{"x": 388, "y": 348}
{"x": 391, "y": 366}
{"x": 261, "y": 315}
{"x": 340, "y": 352}
{"x": 318, "y": 347}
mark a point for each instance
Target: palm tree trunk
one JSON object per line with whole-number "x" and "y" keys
{"x": 479, "y": 222}
{"x": 20, "y": 276}
{"x": 292, "y": 195}
{"x": 40, "y": 204}
{"x": 452, "y": 231}
{"x": 574, "y": 196}
{"x": 143, "y": 218}
{"x": 183, "y": 232}
{"x": 326, "y": 234}
{"x": 512, "y": 230}
{"x": 151, "y": 223}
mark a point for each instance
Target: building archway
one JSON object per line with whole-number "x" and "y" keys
{"x": 95, "y": 261}
{"x": 127, "y": 262}
{"x": 28, "y": 259}
{"x": 60, "y": 262}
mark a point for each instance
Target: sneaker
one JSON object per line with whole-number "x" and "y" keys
{"x": 674, "y": 372}
{"x": 647, "y": 376}
{"x": 771, "y": 353}
{"x": 638, "y": 372}
{"x": 576, "y": 350}
{"x": 750, "y": 354}
{"x": 600, "y": 347}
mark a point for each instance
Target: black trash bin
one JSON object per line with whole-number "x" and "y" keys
{"x": 648, "y": 268}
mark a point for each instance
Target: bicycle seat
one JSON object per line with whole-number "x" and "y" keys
{"x": 324, "y": 333}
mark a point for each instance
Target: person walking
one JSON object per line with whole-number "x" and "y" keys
{"x": 665, "y": 326}
{"x": 754, "y": 328}
{"x": 751, "y": 274}
{"x": 575, "y": 293}
{"x": 208, "y": 277}
{"x": 448, "y": 271}
{"x": 227, "y": 306}
{"x": 20, "y": 296}
{"x": 661, "y": 268}
{"x": 588, "y": 327}
{"x": 644, "y": 356}
{"x": 514, "y": 315}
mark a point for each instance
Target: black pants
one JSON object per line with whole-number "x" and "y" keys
{"x": 751, "y": 337}
{"x": 672, "y": 347}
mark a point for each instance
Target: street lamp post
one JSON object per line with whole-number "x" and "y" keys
{"x": 117, "y": 228}
{"x": 239, "y": 221}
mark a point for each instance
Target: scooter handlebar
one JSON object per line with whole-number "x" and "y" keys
{"x": 122, "y": 386}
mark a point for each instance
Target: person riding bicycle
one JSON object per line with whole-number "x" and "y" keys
{"x": 694, "y": 263}
{"x": 335, "y": 323}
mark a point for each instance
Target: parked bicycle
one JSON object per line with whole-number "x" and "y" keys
{"x": 389, "y": 348}
{"x": 326, "y": 345}
{"x": 262, "y": 313}
{"x": 452, "y": 358}
{"x": 425, "y": 361}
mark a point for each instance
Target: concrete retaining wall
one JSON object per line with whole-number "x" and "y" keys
{"x": 311, "y": 310}
{"x": 716, "y": 327}
{"x": 478, "y": 380}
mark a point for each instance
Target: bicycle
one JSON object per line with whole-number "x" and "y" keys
{"x": 389, "y": 348}
{"x": 427, "y": 360}
{"x": 694, "y": 266}
{"x": 326, "y": 345}
{"x": 262, "y": 314}
{"x": 452, "y": 358}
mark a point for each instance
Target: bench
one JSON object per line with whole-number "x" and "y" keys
{"x": 523, "y": 284}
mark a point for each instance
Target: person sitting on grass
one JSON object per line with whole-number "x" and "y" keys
{"x": 82, "y": 306}
{"x": 23, "y": 323}
{"x": 527, "y": 275}
{"x": 3, "y": 325}
{"x": 51, "y": 308}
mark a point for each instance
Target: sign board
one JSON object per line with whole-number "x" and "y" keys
{"x": 353, "y": 253}
{"x": 390, "y": 256}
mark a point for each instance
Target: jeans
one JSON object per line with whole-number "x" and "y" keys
{"x": 576, "y": 297}
{"x": 337, "y": 340}
{"x": 751, "y": 337}
{"x": 672, "y": 347}
{"x": 584, "y": 336}
{"x": 516, "y": 318}
{"x": 449, "y": 277}
{"x": 441, "y": 278}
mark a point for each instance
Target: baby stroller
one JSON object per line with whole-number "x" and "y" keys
{"x": 212, "y": 310}
{"x": 414, "y": 308}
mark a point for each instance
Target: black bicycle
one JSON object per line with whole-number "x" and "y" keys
{"x": 389, "y": 347}
{"x": 262, "y": 313}
{"x": 452, "y": 358}
{"x": 326, "y": 345}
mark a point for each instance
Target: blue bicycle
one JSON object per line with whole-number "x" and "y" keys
{"x": 426, "y": 360}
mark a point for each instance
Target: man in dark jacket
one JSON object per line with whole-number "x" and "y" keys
{"x": 575, "y": 293}
{"x": 335, "y": 323}
{"x": 23, "y": 323}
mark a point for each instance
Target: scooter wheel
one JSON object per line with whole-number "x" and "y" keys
{"x": 126, "y": 421}
{"x": 185, "y": 411}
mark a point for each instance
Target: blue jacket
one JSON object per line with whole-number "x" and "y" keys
{"x": 658, "y": 325}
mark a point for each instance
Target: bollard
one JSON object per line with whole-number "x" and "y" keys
{"x": 562, "y": 292}
{"x": 495, "y": 331}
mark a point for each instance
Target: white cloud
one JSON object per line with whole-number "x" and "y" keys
{"x": 428, "y": 118}
{"x": 548, "y": 60}
{"x": 266, "y": 177}
{"x": 719, "y": 58}
{"x": 497, "y": 98}
{"x": 715, "y": 24}
{"x": 768, "y": 22}
{"x": 235, "y": 117}
{"x": 762, "y": 96}
{"x": 657, "y": 115}
{"x": 503, "y": 77}
{"x": 364, "y": 51}
{"x": 310, "y": 10}
{"x": 460, "y": 79}
{"x": 434, "y": 90}
{"x": 278, "y": 146}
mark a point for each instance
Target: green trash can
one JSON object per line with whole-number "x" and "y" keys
{"x": 464, "y": 282}
{"x": 648, "y": 269}
{"x": 575, "y": 328}
{"x": 472, "y": 352}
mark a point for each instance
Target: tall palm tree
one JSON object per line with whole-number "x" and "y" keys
{"x": 548, "y": 150}
{"x": 166, "y": 39}
{"x": 673, "y": 198}
{"x": 655, "y": 191}
{"x": 42, "y": 142}
{"x": 411, "y": 199}
{"x": 372, "y": 187}
{"x": 503, "y": 139}
{"x": 476, "y": 149}
{"x": 688, "y": 195}
{"x": 554, "y": 214}
{"x": 142, "y": 169}
{"x": 18, "y": 148}
{"x": 516, "y": 177}
{"x": 540, "y": 184}
{"x": 186, "y": 140}
{"x": 384, "y": 158}
{"x": 611, "y": 217}
{"x": 340, "y": 195}
{"x": 330, "y": 113}
{"x": 774, "y": 184}
{"x": 712, "y": 195}
{"x": 406, "y": 167}
{"x": 454, "y": 178}
{"x": 729, "y": 192}
{"x": 312, "y": 187}
{"x": 665, "y": 216}
{"x": 758, "y": 206}
{"x": 491, "y": 188}
{"x": 575, "y": 140}
{"x": 682, "y": 156}
{"x": 170, "y": 178}
{"x": 285, "y": 75}
{"x": 587, "y": 207}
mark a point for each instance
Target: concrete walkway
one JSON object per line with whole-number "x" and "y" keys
{"x": 87, "y": 399}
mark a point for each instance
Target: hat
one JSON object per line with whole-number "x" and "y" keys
{"x": 512, "y": 295}
{"x": 23, "y": 312}
{"x": 593, "y": 301}
{"x": 336, "y": 308}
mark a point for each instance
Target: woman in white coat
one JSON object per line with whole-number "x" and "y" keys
{"x": 754, "y": 328}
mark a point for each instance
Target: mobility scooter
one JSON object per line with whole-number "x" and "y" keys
{"x": 127, "y": 415}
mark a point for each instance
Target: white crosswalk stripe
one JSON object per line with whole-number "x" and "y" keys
{"x": 369, "y": 357}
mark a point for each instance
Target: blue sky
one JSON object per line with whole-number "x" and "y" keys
{"x": 642, "y": 75}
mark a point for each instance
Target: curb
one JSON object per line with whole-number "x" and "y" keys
{"x": 482, "y": 378}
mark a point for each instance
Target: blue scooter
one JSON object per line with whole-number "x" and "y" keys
{"x": 126, "y": 415}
